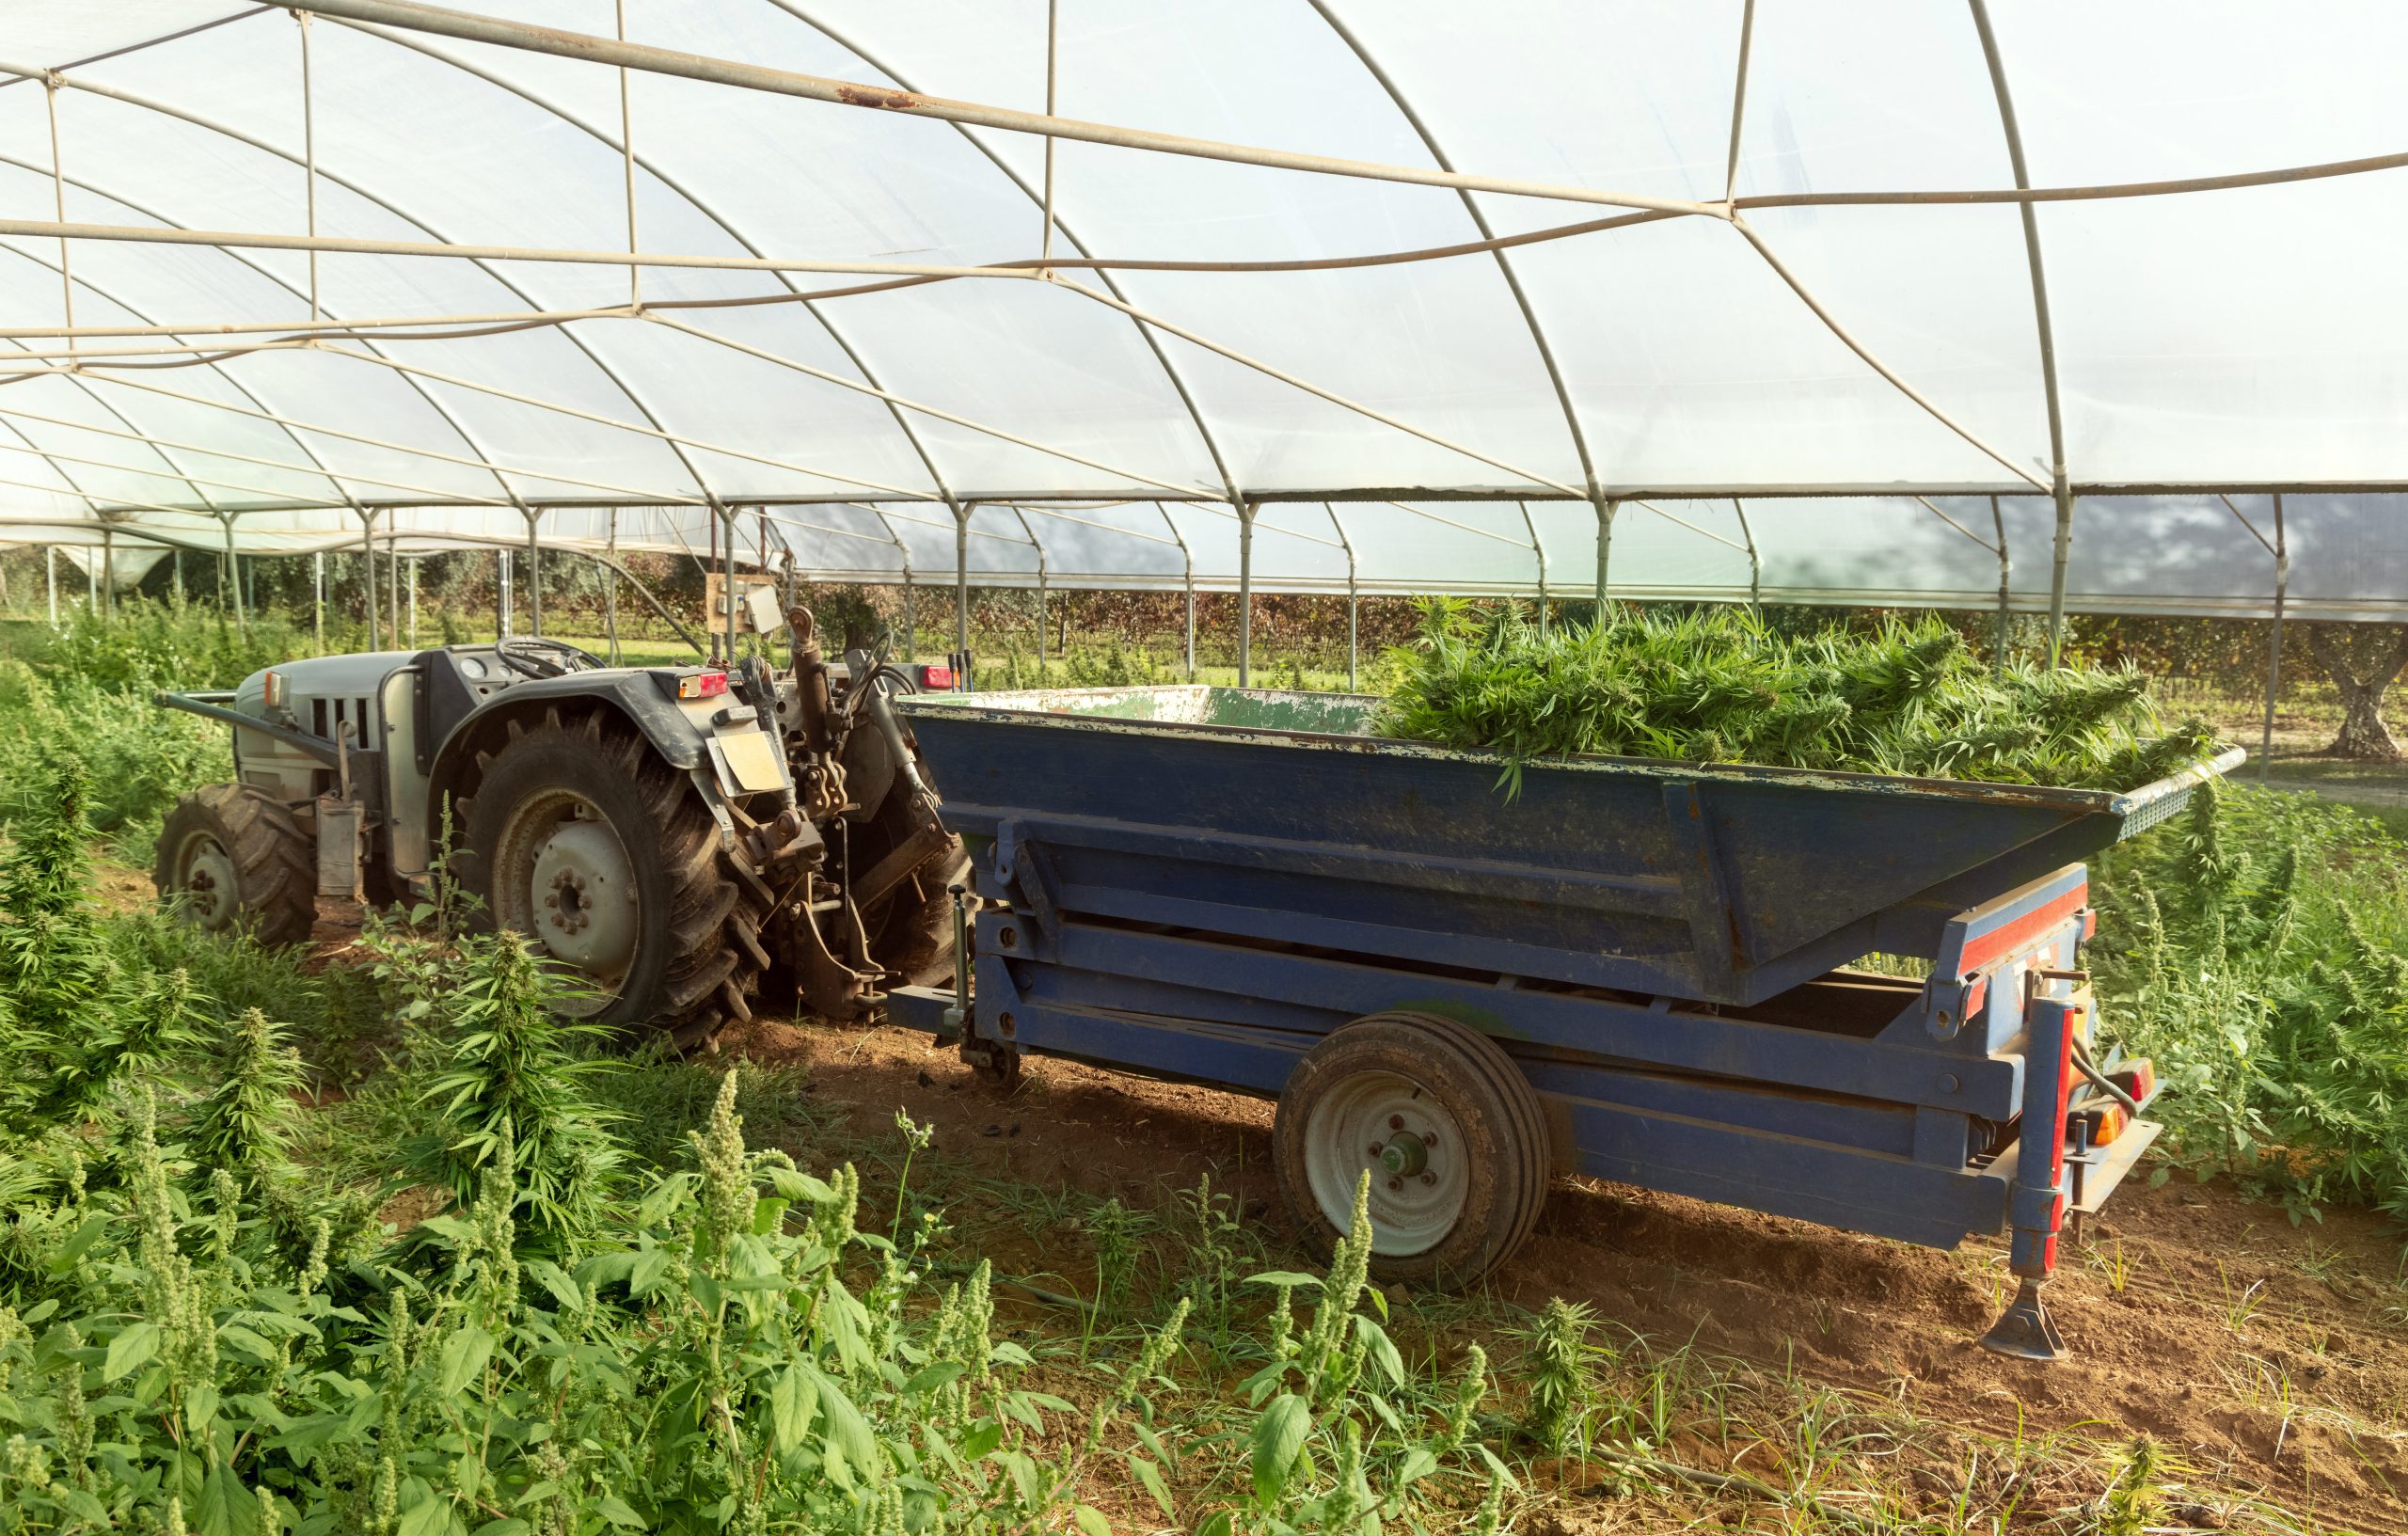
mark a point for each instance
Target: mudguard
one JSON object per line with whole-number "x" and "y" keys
{"x": 681, "y": 733}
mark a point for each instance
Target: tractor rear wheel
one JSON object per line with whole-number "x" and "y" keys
{"x": 1446, "y": 1125}
{"x": 582, "y": 839}
{"x": 232, "y": 856}
{"x": 911, "y": 926}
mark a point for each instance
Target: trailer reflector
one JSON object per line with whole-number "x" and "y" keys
{"x": 936, "y": 674}
{"x": 2137, "y": 1077}
{"x": 2106, "y": 1122}
{"x": 702, "y": 685}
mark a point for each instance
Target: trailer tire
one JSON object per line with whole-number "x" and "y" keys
{"x": 1446, "y": 1125}
{"x": 687, "y": 956}
{"x": 231, "y": 855}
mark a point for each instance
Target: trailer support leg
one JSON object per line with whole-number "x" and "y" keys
{"x": 2037, "y": 1200}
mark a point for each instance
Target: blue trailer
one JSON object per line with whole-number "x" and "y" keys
{"x": 1643, "y": 971}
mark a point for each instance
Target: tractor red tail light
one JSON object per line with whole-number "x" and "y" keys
{"x": 936, "y": 674}
{"x": 702, "y": 685}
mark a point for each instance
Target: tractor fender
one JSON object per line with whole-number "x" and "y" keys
{"x": 679, "y": 735}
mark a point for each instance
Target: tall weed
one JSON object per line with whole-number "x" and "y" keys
{"x": 2255, "y": 951}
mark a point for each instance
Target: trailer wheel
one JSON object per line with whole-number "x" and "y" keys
{"x": 582, "y": 839}
{"x": 230, "y": 855}
{"x": 1446, "y": 1125}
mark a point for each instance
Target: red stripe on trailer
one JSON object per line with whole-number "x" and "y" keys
{"x": 2074, "y": 1017}
{"x": 1982, "y": 950}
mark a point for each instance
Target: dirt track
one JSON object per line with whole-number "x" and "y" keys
{"x": 2270, "y": 1357}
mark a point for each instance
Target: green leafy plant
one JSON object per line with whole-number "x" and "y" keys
{"x": 2254, "y": 953}
{"x": 54, "y": 968}
{"x": 1560, "y": 1362}
{"x": 1331, "y": 1450}
{"x": 512, "y": 1070}
{"x": 2135, "y": 1497}
{"x": 243, "y": 1128}
{"x": 1724, "y": 686}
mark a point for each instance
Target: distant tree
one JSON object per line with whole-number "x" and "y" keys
{"x": 2362, "y": 660}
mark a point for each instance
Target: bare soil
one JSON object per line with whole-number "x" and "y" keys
{"x": 2272, "y": 1357}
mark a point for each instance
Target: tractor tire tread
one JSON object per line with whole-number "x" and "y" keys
{"x": 1452, "y": 1057}
{"x": 273, "y": 857}
{"x": 709, "y": 914}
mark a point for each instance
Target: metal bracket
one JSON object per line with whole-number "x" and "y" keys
{"x": 706, "y": 784}
{"x": 1952, "y": 1003}
{"x": 1023, "y": 867}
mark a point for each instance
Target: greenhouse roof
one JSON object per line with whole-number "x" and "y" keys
{"x": 1848, "y": 304}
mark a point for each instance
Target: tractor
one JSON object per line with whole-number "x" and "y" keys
{"x": 667, "y": 837}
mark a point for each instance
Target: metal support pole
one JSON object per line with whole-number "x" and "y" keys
{"x": 502, "y": 600}
{"x": 1191, "y": 616}
{"x": 368, "y": 553}
{"x": 318, "y": 600}
{"x": 1040, "y": 616}
{"x": 393, "y": 569}
{"x": 415, "y": 563}
{"x": 50, "y": 581}
{"x": 2275, "y": 648}
{"x": 1755, "y": 559}
{"x": 1538, "y": 552}
{"x": 234, "y": 575}
{"x": 1605, "y": 507}
{"x": 534, "y": 576}
{"x": 610, "y": 590}
{"x": 1354, "y": 629}
{"x": 308, "y": 157}
{"x": 2059, "y": 486}
{"x": 961, "y": 576}
{"x": 1245, "y": 593}
{"x": 911, "y": 618}
{"x": 1053, "y": 59}
{"x": 108, "y": 570}
{"x": 176, "y": 574}
{"x": 628, "y": 155}
{"x": 2006, "y": 588}
{"x": 91, "y": 585}
{"x": 59, "y": 199}
{"x": 727, "y": 583}
{"x": 2057, "y": 569}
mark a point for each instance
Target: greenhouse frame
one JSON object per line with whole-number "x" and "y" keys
{"x": 2044, "y": 308}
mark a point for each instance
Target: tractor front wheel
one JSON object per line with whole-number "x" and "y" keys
{"x": 232, "y": 856}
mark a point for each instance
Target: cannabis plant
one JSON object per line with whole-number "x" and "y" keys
{"x": 512, "y": 1068}
{"x": 1722, "y": 686}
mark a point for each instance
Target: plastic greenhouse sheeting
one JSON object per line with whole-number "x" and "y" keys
{"x": 1802, "y": 357}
